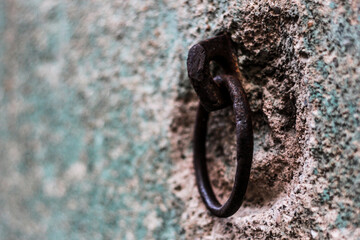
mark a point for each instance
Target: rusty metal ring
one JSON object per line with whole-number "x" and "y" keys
{"x": 244, "y": 148}
{"x": 216, "y": 94}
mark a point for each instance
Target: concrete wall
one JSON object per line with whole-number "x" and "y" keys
{"x": 97, "y": 114}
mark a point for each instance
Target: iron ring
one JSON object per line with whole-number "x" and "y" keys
{"x": 244, "y": 151}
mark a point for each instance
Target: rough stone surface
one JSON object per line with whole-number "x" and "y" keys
{"x": 97, "y": 115}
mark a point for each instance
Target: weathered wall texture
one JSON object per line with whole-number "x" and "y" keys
{"x": 97, "y": 116}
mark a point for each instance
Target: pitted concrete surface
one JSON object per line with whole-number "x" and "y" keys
{"x": 97, "y": 115}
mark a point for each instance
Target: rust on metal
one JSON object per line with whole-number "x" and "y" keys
{"x": 214, "y": 94}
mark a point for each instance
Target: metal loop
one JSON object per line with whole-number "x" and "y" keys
{"x": 216, "y": 94}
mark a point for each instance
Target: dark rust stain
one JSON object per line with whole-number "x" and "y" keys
{"x": 217, "y": 93}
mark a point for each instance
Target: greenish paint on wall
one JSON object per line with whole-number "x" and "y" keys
{"x": 336, "y": 97}
{"x": 80, "y": 185}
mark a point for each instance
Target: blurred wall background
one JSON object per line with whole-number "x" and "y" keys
{"x": 97, "y": 114}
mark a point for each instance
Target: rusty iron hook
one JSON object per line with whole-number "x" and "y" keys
{"x": 217, "y": 93}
